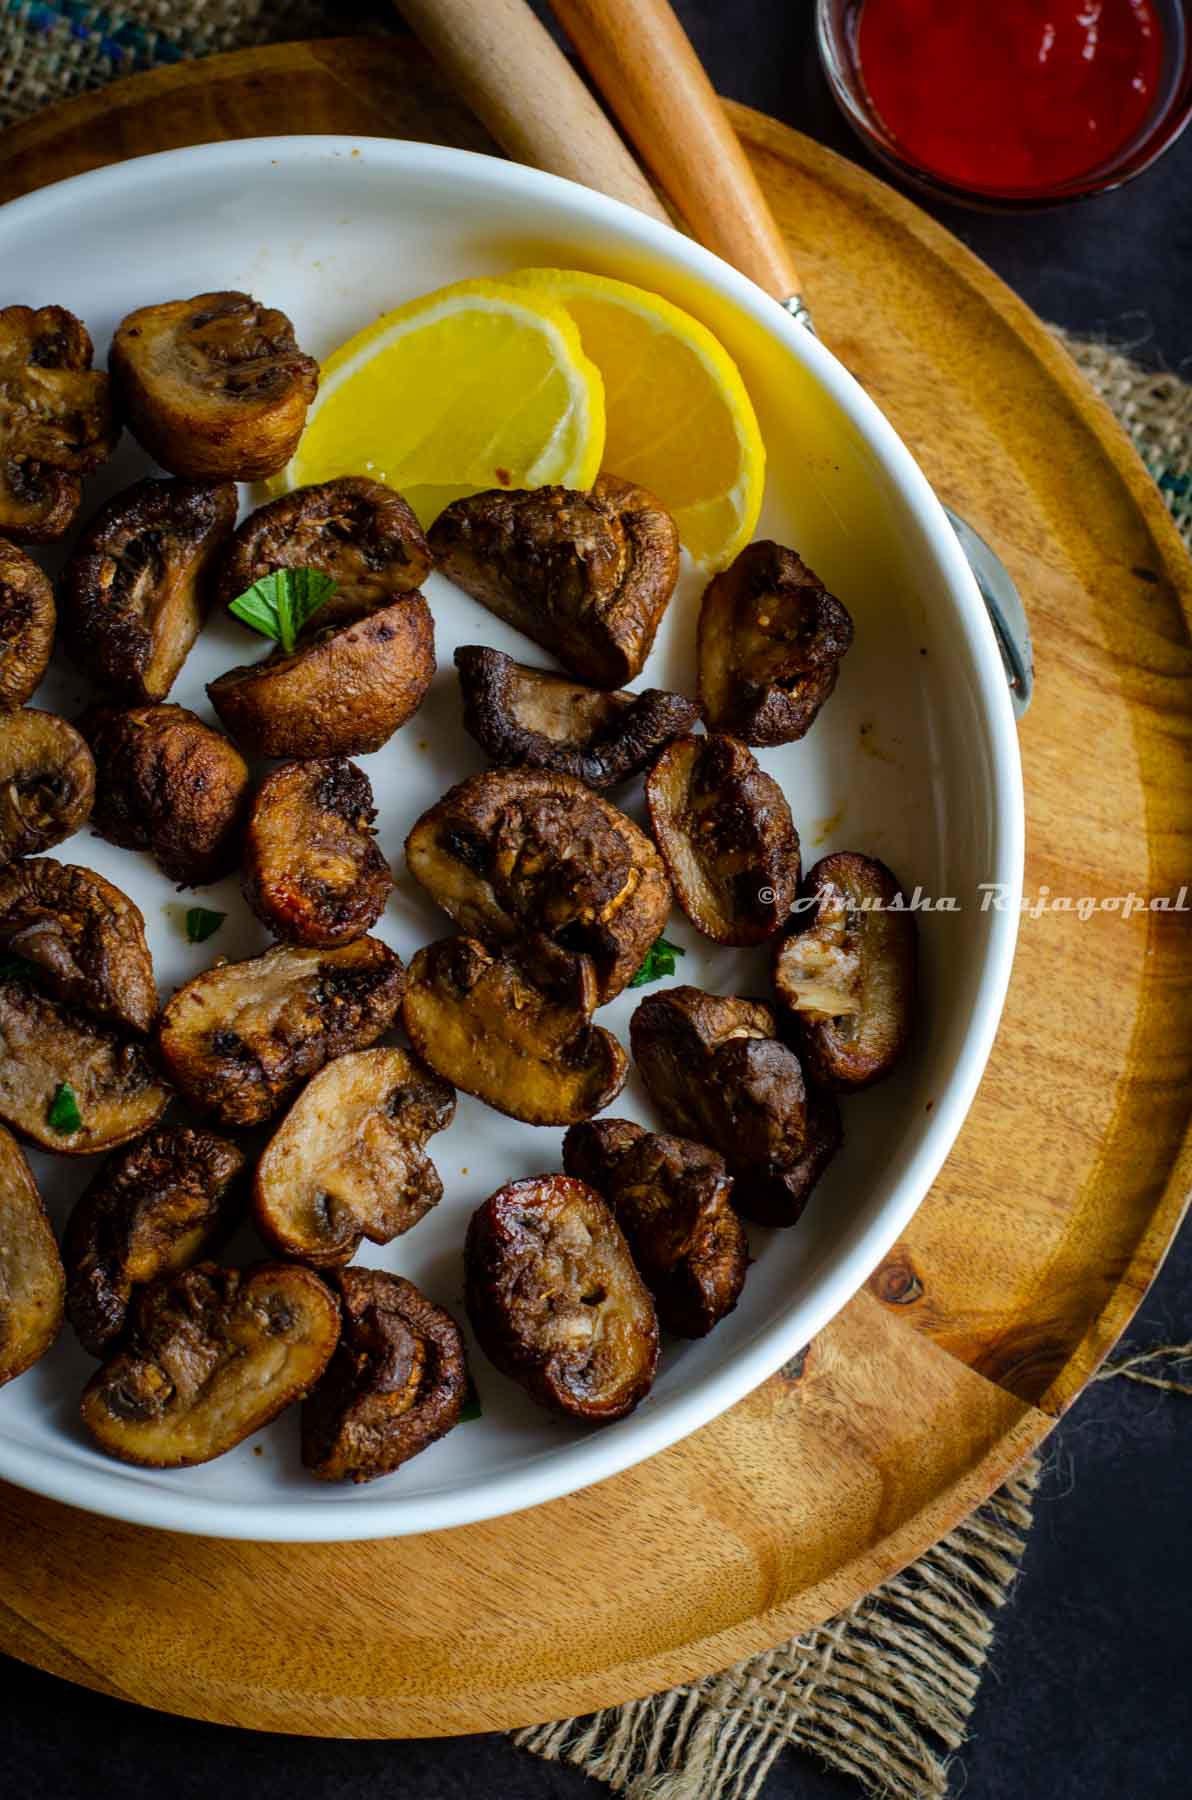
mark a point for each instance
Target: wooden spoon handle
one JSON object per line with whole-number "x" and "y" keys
{"x": 642, "y": 61}
{"x": 522, "y": 88}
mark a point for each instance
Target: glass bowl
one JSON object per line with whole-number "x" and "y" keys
{"x": 837, "y": 24}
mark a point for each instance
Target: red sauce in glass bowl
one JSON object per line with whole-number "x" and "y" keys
{"x": 1010, "y": 95}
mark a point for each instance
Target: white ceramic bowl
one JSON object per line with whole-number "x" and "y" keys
{"x": 914, "y": 760}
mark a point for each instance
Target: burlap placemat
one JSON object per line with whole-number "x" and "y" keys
{"x": 884, "y": 1692}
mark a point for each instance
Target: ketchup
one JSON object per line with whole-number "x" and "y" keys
{"x": 1010, "y": 96}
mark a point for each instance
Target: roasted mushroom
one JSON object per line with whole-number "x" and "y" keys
{"x": 85, "y": 939}
{"x": 214, "y": 1355}
{"x": 47, "y": 782}
{"x": 717, "y": 1072}
{"x": 67, "y": 1082}
{"x": 31, "y": 1278}
{"x": 171, "y": 785}
{"x": 848, "y": 971}
{"x": 587, "y": 576}
{"x": 239, "y": 1038}
{"x": 530, "y": 717}
{"x": 139, "y": 584}
{"x": 342, "y": 693}
{"x": 514, "y": 1029}
{"x": 522, "y": 854}
{"x": 396, "y": 1384}
{"x": 771, "y": 640}
{"x": 150, "y": 1211}
{"x": 55, "y": 420}
{"x": 27, "y": 618}
{"x": 727, "y": 837}
{"x": 349, "y": 1161}
{"x": 359, "y": 532}
{"x": 672, "y": 1199}
{"x": 555, "y": 1300}
{"x": 312, "y": 871}
{"x": 215, "y": 388}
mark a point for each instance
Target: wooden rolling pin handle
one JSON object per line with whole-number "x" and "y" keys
{"x": 517, "y": 81}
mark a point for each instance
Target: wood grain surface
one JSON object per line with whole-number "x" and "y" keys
{"x": 1049, "y": 1220}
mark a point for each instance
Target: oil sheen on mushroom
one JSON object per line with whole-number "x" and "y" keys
{"x": 85, "y": 939}
{"x": 47, "y": 782}
{"x": 27, "y": 619}
{"x": 312, "y": 871}
{"x": 555, "y": 1300}
{"x": 31, "y": 1278}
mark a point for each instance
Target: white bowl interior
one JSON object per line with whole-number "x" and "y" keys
{"x": 913, "y": 760}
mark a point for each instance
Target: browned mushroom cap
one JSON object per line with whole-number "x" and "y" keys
{"x": 672, "y": 1199}
{"x": 150, "y": 1211}
{"x": 215, "y": 387}
{"x": 727, "y": 837}
{"x": 312, "y": 871}
{"x": 544, "y": 721}
{"x": 776, "y": 1194}
{"x": 138, "y": 586}
{"x": 359, "y": 532}
{"x": 46, "y": 1047}
{"x": 85, "y": 938}
{"x": 555, "y": 1300}
{"x": 55, "y": 409}
{"x": 214, "y": 1355}
{"x": 27, "y": 619}
{"x": 31, "y": 1278}
{"x": 518, "y": 853}
{"x": 717, "y": 1072}
{"x": 239, "y": 1038}
{"x": 587, "y": 576}
{"x": 348, "y": 1161}
{"x": 396, "y": 1384}
{"x": 514, "y": 1029}
{"x": 171, "y": 785}
{"x": 343, "y": 693}
{"x": 37, "y": 503}
{"x": 771, "y": 639}
{"x": 848, "y": 971}
{"x": 47, "y": 782}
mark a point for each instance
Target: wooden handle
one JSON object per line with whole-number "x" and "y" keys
{"x": 517, "y": 81}
{"x": 643, "y": 63}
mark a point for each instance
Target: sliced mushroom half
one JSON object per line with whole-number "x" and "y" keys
{"x": 27, "y": 619}
{"x": 587, "y": 576}
{"x": 771, "y": 641}
{"x": 152, "y": 1209}
{"x": 31, "y": 1277}
{"x": 349, "y": 1160}
{"x": 312, "y": 871}
{"x": 514, "y": 1029}
{"x": 83, "y": 936}
{"x": 47, "y": 782}
{"x": 727, "y": 837}
{"x": 515, "y": 854}
{"x": 396, "y": 1384}
{"x": 214, "y": 1355}
{"x": 139, "y": 584}
{"x": 848, "y": 971}
{"x": 241, "y": 1037}
{"x": 215, "y": 387}
{"x": 55, "y": 409}
{"x": 555, "y": 1300}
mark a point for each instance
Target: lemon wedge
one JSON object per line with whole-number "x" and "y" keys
{"x": 478, "y": 385}
{"x": 679, "y": 419}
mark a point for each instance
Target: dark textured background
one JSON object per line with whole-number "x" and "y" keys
{"x": 1088, "y": 1693}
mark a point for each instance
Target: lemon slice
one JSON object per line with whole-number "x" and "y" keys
{"x": 679, "y": 419}
{"x": 478, "y": 385}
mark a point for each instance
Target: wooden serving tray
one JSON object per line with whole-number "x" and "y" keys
{"x": 1053, "y": 1212}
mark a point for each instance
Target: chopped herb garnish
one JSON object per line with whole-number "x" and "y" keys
{"x": 63, "y": 1114}
{"x": 660, "y": 960}
{"x": 280, "y": 604}
{"x": 202, "y": 924}
{"x": 472, "y": 1408}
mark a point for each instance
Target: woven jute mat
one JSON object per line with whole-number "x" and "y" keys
{"x": 884, "y": 1692}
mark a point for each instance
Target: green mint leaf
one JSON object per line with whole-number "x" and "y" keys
{"x": 63, "y": 1113}
{"x": 472, "y": 1408}
{"x": 660, "y": 961}
{"x": 202, "y": 924}
{"x": 279, "y": 604}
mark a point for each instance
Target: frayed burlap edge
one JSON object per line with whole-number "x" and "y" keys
{"x": 1155, "y": 406}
